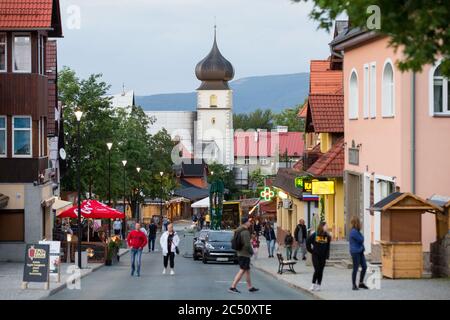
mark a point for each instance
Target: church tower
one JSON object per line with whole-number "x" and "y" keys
{"x": 214, "y": 127}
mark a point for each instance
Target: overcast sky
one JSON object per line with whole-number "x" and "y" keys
{"x": 153, "y": 45}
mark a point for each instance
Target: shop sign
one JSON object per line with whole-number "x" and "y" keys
{"x": 322, "y": 187}
{"x": 303, "y": 183}
{"x": 37, "y": 259}
{"x": 267, "y": 194}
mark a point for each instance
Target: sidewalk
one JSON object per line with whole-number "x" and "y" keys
{"x": 11, "y": 281}
{"x": 336, "y": 283}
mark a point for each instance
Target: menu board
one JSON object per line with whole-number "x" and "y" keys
{"x": 55, "y": 251}
{"x": 37, "y": 259}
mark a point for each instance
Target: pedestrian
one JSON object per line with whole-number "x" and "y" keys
{"x": 357, "y": 252}
{"x": 208, "y": 221}
{"x": 255, "y": 244}
{"x": 165, "y": 223}
{"x": 169, "y": 244}
{"x": 136, "y": 241}
{"x": 288, "y": 242}
{"x": 318, "y": 244}
{"x": 269, "y": 234}
{"x": 300, "y": 235}
{"x": 152, "y": 229}
{"x": 242, "y": 244}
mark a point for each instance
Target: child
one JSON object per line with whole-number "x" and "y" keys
{"x": 255, "y": 244}
{"x": 288, "y": 242}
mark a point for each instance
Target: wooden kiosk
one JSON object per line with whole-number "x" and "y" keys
{"x": 401, "y": 234}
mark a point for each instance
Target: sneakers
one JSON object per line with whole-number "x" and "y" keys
{"x": 355, "y": 287}
{"x": 315, "y": 287}
{"x": 172, "y": 272}
{"x": 253, "y": 289}
{"x": 164, "y": 271}
{"x": 363, "y": 286}
{"x": 233, "y": 290}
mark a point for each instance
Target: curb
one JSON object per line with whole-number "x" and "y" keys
{"x": 290, "y": 284}
{"x": 63, "y": 285}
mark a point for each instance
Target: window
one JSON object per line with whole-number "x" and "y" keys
{"x": 213, "y": 120}
{"x": 373, "y": 90}
{"x": 440, "y": 93}
{"x": 366, "y": 92}
{"x": 353, "y": 96}
{"x": 3, "y": 136}
{"x": 247, "y": 160}
{"x": 22, "y": 136}
{"x": 22, "y": 53}
{"x": 388, "y": 91}
{"x": 3, "y": 46}
{"x": 41, "y": 54}
{"x": 213, "y": 101}
{"x": 264, "y": 161}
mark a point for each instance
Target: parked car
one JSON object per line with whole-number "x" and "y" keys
{"x": 217, "y": 247}
{"x": 199, "y": 244}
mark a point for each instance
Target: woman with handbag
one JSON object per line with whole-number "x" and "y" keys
{"x": 169, "y": 244}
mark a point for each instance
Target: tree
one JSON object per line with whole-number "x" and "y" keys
{"x": 221, "y": 172}
{"x": 420, "y": 27}
{"x": 289, "y": 117}
{"x": 258, "y": 119}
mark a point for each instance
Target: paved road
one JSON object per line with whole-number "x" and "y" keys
{"x": 193, "y": 280}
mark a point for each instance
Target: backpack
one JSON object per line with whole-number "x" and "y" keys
{"x": 236, "y": 242}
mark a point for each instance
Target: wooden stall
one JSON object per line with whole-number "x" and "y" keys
{"x": 401, "y": 234}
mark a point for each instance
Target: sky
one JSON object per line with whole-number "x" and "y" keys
{"x": 153, "y": 46}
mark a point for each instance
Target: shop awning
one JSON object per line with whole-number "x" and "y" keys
{"x": 60, "y": 204}
{"x": 204, "y": 203}
{"x": 3, "y": 200}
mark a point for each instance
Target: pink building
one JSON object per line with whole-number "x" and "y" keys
{"x": 397, "y": 130}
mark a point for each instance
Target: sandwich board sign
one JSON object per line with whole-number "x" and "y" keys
{"x": 54, "y": 264}
{"x": 36, "y": 267}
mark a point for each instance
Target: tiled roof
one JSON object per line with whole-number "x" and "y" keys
{"x": 322, "y": 79}
{"x": 327, "y": 112}
{"x": 30, "y": 14}
{"x": 285, "y": 180}
{"x": 330, "y": 164}
{"x": 264, "y": 143}
{"x": 302, "y": 111}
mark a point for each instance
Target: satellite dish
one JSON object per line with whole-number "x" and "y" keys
{"x": 62, "y": 154}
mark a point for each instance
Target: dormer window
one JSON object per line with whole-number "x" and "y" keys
{"x": 2, "y": 52}
{"x": 22, "y": 53}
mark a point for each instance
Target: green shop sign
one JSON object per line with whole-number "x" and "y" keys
{"x": 304, "y": 183}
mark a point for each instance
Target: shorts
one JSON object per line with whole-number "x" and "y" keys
{"x": 244, "y": 263}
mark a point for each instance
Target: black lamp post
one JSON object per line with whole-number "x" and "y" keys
{"x": 161, "y": 195}
{"x": 138, "y": 169}
{"x": 109, "y": 146}
{"x": 124, "y": 162}
{"x": 78, "y": 115}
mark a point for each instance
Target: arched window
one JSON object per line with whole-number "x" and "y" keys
{"x": 353, "y": 96}
{"x": 441, "y": 93}
{"x": 213, "y": 100}
{"x": 388, "y": 109}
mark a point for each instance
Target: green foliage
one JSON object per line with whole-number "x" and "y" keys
{"x": 419, "y": 27}
{"x": 221, "y": 172}
{"x": 257, "y": 178}
{"x": 126, "y": 128}
{"x": 289, "y": 117}
{"x": 258, "y": 119}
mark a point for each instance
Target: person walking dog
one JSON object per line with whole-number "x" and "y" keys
{"x": 318, "y": 244}
{"x": 242, "y": 244}
{"x": 169, "y": 244}
{"x": 136, "y": 241}
{"x": 356, "y": 242}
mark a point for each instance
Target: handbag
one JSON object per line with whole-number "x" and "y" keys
{"x": 177, "y": 251}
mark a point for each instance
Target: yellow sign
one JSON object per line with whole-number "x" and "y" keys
{"x": 322, "y": 187}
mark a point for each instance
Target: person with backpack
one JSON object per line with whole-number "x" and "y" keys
{"x": 288, "y": 242}
{"x": 169, "y": 242}
{"x": 300, "y": 235}
{"x": 242, "y": 244}
{"x": 269, "y": 234}
{"x": 318, "y": 244}
{"x": 356, "y": 241}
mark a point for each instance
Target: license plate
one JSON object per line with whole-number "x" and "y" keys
{"x": 222, "y": 259}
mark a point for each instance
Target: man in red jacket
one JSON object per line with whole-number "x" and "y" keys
{"x": 136, "y": 241}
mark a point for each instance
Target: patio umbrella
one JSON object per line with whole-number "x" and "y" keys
{"x": 92, "y": 209}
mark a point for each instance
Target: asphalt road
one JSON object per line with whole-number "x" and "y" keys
{"x": 193, "y": 280}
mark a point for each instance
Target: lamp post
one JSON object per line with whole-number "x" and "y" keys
{"x": 138, "y": 169}
{"x": 109, "y": 146}
{"x": 161, "y": 195}
{"x": 78, "y": 115}
{"x": 124, "y": 163}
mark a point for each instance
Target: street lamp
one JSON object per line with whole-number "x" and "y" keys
{"x": 138, "y": 169}
{"x": 124, "y": 162}
{"x": 78, "y": 115}
{"x": 161, "y": 195}
{"x": 109, "y": 146}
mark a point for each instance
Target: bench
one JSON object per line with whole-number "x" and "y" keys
{"x": 285, "y": 263}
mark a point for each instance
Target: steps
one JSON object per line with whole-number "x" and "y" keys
{"x": 339, "y": 250}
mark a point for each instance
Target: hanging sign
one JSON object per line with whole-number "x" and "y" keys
{"x": 36, "y": 267}
{"x": 303, "y": 183}
{"x": 267, "y": 194}
{"x": 322, "y": 187}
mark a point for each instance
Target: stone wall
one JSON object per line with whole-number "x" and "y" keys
{"x": 440, "y": 257}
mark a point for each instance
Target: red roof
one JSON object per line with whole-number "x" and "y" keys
{"x": 330, "y": 164}
{"x": 264, "y": 144}
{"x": 327, "y": 112}
{"x": 30, "y": 14}
{"x": 302, "y": 111}
{"x": 323, "y": 80}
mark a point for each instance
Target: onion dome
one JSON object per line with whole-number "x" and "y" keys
{"x": 214, "y": 70}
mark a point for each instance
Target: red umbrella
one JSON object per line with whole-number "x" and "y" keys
{"x": 92, "y": 209}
